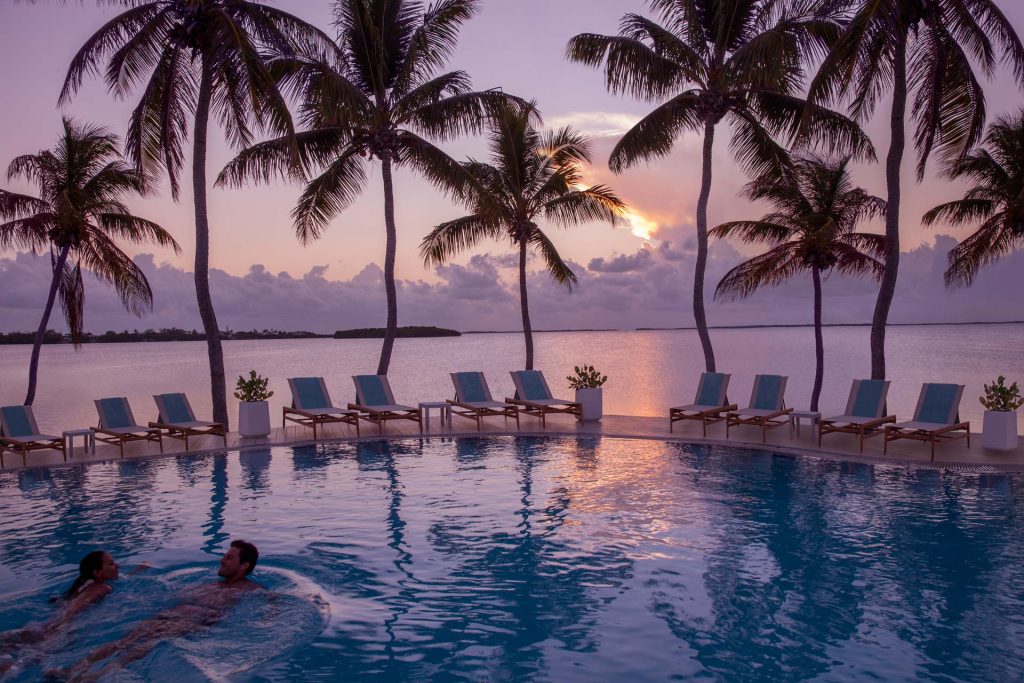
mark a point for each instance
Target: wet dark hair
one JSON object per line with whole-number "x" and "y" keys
{"x": 246, "y": 553}
{"x": 91, "y": 563}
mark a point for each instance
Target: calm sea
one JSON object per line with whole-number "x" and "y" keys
{"x": 648, "y": 371}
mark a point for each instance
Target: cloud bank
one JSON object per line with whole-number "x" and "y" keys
{"x": 651, "y": 287}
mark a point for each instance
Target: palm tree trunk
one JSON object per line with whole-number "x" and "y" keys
{"x": 819, "y": 344}
{"x": 37, "y": 343}
{"x": 893, "y": 164}
{"x": 702, "y": 250}
{"x": 527, "y": 328}
{"x": 202, "y": 274}
{"x": 389, "y": 267}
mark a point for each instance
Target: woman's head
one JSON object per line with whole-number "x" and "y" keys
{"x": 97, "y": 566}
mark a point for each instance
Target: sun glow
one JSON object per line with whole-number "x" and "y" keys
{"x": 641, "y": 226}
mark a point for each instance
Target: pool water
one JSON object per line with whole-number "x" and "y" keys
{"x": 521, "y": 558}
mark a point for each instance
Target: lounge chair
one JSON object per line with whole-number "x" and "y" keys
{"x": 534, "y": 397}
{"x": 312, "y": 407}
{"x": 176, "y": 419}
{"x": 709, "y": 403}
{"x": 473, "y": 399}
{"x": 766, "y": 406}
{"x": 118, "y": 426}
{"x": 864, "y": 412}
{"x": 375, "y": 402}
{"x": 20, "y": 433}
{"x": 936, "y": 418}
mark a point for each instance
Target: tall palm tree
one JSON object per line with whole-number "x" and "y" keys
{"x": 997, "y": 201}
{"x": 194, "y": 56}
{"x": 709, "y": 61}
{"x": 77, "y": 216}
{"x": 377, "y": 96}
{"x": 919, "y": 49}
{"x": 532, "y": 175}
{"x": 813, "y": 227}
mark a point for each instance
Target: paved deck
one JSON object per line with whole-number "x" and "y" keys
{"x": 954, "y": 455}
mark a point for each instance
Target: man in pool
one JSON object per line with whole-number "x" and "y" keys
{"x": 200, "y": 608}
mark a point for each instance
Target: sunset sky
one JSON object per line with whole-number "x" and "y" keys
{"x": 640, "y": 272}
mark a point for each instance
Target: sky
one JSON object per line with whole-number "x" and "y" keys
{"x": 637, "y": 275}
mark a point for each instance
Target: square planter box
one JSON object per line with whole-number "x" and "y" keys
{"x": 592, "y": 402}
{"x": 253, "y": 419}
{"x": 999, "y": 432}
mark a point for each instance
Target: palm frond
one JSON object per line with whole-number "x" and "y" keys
{"x": 328, "y": 194}
{"x": 654, "y": 135}
{"x": 765, "y": 270}
{"x": 557, "y": 268}
{"x": 451, "y": 237}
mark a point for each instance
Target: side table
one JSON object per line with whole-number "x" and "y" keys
{"x": 443, "y": 407}
{"x": 88, "y": 440}
{"x": 811, "y": 416}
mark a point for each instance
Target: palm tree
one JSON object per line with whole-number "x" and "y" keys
{"x": 817, "y": 211}
{"x": 997, "y": 200}
{"x": 196, "y": 55}
{"x": 919, "y": 49}
{"x": 79, "y": 212}
{"x": 532, "y": 175}
{"x": 375, "y": 97}
{"x": 708, "y": 61}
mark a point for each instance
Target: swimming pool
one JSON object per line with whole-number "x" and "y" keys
{"x": 549, "y": 559}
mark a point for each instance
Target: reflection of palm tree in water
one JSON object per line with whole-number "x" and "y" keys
{"x": 213, "y": 530}
{"x": 773, "y": 577}
{"x": 544, "y": 585}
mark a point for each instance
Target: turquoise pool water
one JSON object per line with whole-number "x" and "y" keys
{"x": 510, "y": 558}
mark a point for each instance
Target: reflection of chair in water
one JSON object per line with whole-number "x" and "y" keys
{"x": 864, "y": 412}
{"x": 534, "y": 397}
{"x": 709, "y": 403}
{"x": 376, "y": 403}
{"x": 20, "y": 433}
{"x": 473, "y": 399}
{"x": 766, "y": 406}
{"x": 311, "y": 405}
{"x": 176, "y": 418}
{"x": 118, "y": 425}
{"x": 936, "y": 418}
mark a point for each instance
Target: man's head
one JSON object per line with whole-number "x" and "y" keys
{"x": 239, "y": 561}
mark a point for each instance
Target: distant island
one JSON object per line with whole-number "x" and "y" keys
{"x": 161, "y": 335}
{"x": 403, "y": 332}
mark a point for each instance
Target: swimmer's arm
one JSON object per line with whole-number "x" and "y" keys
{"x": 141, "y": 568}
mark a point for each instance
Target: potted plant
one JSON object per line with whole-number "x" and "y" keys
{"x": 253, "y": 411}
{"x": 587, "y": 382}
{"x": 1000, "y": 426}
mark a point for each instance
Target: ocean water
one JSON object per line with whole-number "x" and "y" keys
{"x": 532, "y": 559}
{"x": 648, "y": 371}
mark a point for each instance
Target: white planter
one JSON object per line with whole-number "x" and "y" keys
{"x": 999, "y": 432}
{"x": 253, "y": 419}
{"x": 592, "y": 402}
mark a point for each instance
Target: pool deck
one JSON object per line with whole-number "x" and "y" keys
{"x": 953, "y": 455}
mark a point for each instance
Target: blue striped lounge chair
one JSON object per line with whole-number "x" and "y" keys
{"x": 708, "y": 405}
{"x": 767, "y": 406}
{"x": 936, "y": 418}
{"x": 177, "y": 421}
{"x": 312, "y": 407}
{"x": 20, "y": 433}
{"x": 865, "y": 412}
{"x": 533, "y": 397}
{"x": 118, "y": 426}
{"x": 375, "y": 402}
{"x": 473, "y": 399}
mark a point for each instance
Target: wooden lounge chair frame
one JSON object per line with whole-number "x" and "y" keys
{"x": 380, "y": 413}
{"x": 478, "y": 410}
{"x": 26, "y": 442}
{"x": 701, "y": 409}
{"x": 183, "y": 429}
{"x": 129, "y": 431}
{"x": 930, "y": 432}
{"x": 307, "y": 415}
{"x": 763, "y": 417}
{"x": 533, "y": 397}
{"x": 851, "y": 422}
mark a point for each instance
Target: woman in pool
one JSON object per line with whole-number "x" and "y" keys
{"x": 95, "y": 572}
